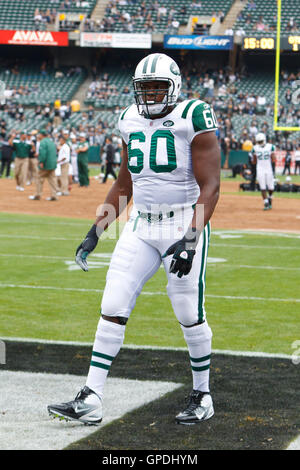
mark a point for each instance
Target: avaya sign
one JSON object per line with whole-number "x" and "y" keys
{"x": 198, "y": 42}
{"x": 34, "y": 38}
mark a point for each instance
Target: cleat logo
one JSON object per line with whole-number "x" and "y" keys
{"x": 199, "y": 412}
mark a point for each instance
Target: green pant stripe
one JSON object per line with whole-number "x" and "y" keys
{"x": 200, "y": 369}
{"x": 202, "y": 277}
{"x": 200, "y": 359}
{"x": 103, "y": 356}
{"x": 99, "y": 364}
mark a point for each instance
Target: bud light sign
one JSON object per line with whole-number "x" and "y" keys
{"x": 198, "y": 42}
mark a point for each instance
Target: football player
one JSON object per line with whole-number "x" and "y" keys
{"x": 171, "y": 168}
{"x": 263, "y": 155}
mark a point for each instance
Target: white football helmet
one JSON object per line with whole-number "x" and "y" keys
{"x": 156, "y": 68}
{"x": 260, "y": 139}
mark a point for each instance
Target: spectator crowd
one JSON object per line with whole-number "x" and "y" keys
{"x": 221, "y": 87}
{"x": 61, "y": 158}
{"x": 149, "y": 14}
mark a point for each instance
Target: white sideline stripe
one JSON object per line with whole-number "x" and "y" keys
{"x": 267, "y": 232}
{"x": 20, "y": 255}
{"x": 67, "y": 258}
{"x": 38, "y": 222}
{"x": 73, "y": 289}
{"x": 36, "y": 237}
{"x": 246, "y": 266}
{"x": 268, "y": 247}
{"x": 108, "y": 255}
{"x": 226, "y": 352}
{"x": 262, "y": 231}
{"x": 25, "y": 395}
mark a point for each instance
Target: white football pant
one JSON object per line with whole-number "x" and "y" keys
{"x": 265, "y": 180}
{"x": 137, "y": 257}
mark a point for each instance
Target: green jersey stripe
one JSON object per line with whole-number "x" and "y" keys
{"x": 100, "y": 365}
{"x": 103, "y": 356}
{"x": 125, "y": 111}
{"x": 200, "y": 359}
{"x": 186, "y": 109}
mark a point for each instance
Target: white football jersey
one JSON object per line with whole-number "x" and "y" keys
{"x": 263, "y": 157}
{"x": 159, "y": 153}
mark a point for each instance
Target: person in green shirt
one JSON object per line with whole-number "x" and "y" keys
{"x": 47, "y": 156}
{"x": 82, "y": 161}
{"x": 22, "y": 150}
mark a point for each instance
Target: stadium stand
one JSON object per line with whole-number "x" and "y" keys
{"x": 261, "y": 17}
{"x": 155, "y": 16}
{"x": 243, "y": 99}
{"x": 38, "y": 14}
{"x": 37, "y": 84}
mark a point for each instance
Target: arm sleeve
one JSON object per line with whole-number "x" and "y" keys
{"x": 202, "y": 119}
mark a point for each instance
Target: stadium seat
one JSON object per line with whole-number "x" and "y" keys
{"x": 267, "y": 10}
{"x": 16, "y": 14}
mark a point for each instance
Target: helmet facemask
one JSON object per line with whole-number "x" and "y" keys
{"x": 154, "y": 96}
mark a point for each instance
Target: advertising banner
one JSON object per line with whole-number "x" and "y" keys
{"x": 116, "y": 40}
{"x": 34, "y": 38}
{"x": 198, "y": 42}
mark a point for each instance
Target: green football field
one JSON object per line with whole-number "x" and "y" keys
{"x": 252, "y": 288}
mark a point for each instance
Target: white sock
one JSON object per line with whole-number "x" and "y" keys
{"x": 198, "y": 340}
{"x": 108, "y": 342}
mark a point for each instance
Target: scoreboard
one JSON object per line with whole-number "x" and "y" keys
{"x": 287, "y": 43}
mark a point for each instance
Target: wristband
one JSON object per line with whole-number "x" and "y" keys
{"x": 191, "y": 238}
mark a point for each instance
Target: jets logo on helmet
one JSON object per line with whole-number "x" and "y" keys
{"x": 157, "y": 84}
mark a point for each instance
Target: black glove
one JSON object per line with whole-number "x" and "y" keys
{"x": 183, "y": 252}
{"x": 87, "y": 246}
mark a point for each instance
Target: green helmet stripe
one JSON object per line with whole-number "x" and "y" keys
{"x": 153, "y": 66}
{"x": 145, "y": 65}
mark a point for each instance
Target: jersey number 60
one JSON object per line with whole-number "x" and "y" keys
{"x": 136, "y": 156}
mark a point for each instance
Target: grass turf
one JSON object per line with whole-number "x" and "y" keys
{"x": 38, "y": 253}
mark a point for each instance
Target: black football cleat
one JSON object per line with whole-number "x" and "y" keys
{"x": 86, "y": 408}
{"x": 200, "y": 408}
